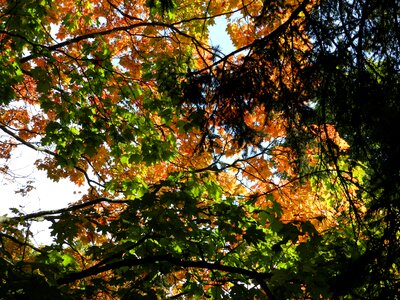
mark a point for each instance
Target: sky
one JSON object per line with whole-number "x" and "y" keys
{"x": 219, "y": 37}
{"x": 48, "y": 194}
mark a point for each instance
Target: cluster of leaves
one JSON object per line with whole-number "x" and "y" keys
{"x": 266, "y": 173}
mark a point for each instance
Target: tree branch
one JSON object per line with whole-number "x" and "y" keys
{"x": 259, "y": 42}
{"x": 17, "y": 241}
{"x": 259, "y": 277}
{"x": 126, "y": 28}
{"x": 30, "y": 145}
{"x": 45, "y": 213}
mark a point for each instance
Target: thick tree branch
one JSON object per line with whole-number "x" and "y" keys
{"x": 260, "y": 42}
{"x": 259, "y": 277}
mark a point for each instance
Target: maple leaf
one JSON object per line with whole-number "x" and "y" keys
{"x": 206, "y": 177}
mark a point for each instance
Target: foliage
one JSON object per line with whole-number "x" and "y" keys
{"x": 267, "y": 173}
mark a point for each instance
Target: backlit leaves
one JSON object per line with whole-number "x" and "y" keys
{"x": 257, "y": 174}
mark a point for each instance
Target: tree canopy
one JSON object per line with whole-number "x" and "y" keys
{"x": 270, "y": 172}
